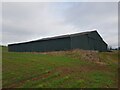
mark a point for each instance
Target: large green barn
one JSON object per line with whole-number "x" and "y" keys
{"x": 87, "y": 40}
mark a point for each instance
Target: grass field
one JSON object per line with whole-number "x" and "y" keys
{"x": 64, "y": 69}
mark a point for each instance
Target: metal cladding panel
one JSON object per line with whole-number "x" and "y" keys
{"x": 80, "y": 41}
{"x": 97, "y": 45}
{"x": 86, "y": 41}
{"x": 57, "y": 44}
{"x": 96, "y": 42}
{"x": 15, "y": 48}
{"x": 104, "y": 46}
{"x": 94, "y": 35}
{"x": 91, "y": 41}
{"x": 41, "y": 46}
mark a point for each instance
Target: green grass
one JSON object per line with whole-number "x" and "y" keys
{"x": 65, "y": 70}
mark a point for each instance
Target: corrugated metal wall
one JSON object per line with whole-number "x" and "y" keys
{"x": 79, "y": 41}
{"x": 91, "y": 41}
{"x": 40, "y": 46}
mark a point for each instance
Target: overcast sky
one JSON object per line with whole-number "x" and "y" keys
{"x": 34, "y": 20}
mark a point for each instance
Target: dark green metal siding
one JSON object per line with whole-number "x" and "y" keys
{"x": 91, "y": 41}
{"x": 86, "y": 41}
{"x": 80, "y": 41}
{"x": 40, "y": 46}
{"x": 58, "y": 44}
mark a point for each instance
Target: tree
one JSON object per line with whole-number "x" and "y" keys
{"x": 118, "y": 48}
{"x": 109, "y": 47}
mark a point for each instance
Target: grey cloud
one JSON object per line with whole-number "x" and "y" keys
{"x": 29, "y": 21}
{"x": 95, "y": 15}
{"x": 83, "y": 14}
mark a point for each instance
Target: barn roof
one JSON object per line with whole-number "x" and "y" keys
{"x": 58, "y": 37}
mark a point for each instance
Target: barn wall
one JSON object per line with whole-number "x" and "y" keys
{"x": 96, "y": 42}
{"x": 40, "y": 46}
{"x": 79, "y": 41}
{"x": 58, "y": 44}
{"x": 92, "y": 41}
